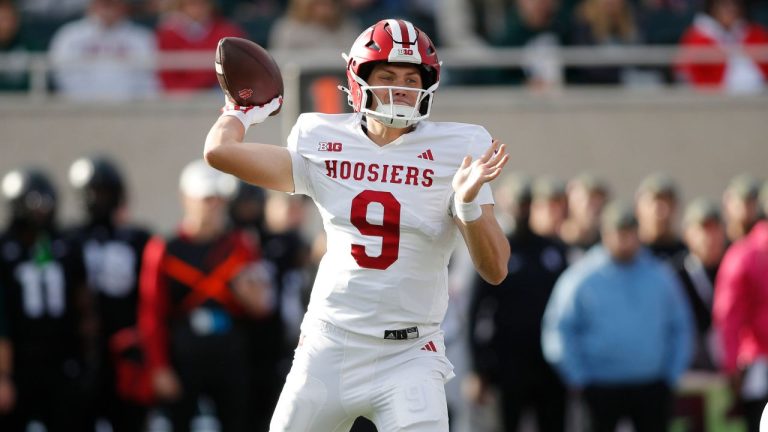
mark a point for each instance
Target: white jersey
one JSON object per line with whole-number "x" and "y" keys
{"x": 385, "y": 213}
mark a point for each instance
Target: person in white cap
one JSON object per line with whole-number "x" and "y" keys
{"x": 199, "y": 290}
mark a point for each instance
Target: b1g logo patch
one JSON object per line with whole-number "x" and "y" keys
{"x": 329, "y": 146}
{"x": 405, "y": 51}
{"x": 245, "y": 93}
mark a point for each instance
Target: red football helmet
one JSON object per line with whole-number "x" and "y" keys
{"x": 394, "y": 41}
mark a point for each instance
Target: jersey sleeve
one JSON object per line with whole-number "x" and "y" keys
{"x": 299, "y": 163}
{"x": 153, "y": 305}
{"x": 477, "y": 146}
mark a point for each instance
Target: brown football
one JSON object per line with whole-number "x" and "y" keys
{"x": 247, "y": 72}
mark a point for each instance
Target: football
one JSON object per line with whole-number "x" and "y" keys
{"x": 247, "y": 72}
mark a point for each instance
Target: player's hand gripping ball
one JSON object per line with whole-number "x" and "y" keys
{"x": 247, "y": 73}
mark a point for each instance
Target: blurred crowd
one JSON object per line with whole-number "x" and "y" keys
{"x": 619, "y": 310}
{"x": 124, "y": 49}
{"x": 610, "y": 305}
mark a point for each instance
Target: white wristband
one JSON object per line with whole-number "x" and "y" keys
{"x": 249, "y": 115}
{"x": 238, "y": 115}
{"x": 467, "y": 212}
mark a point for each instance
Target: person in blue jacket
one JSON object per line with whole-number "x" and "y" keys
{"x": 618, "y": 329}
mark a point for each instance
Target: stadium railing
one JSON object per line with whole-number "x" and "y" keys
{"x": 301, "y": 61}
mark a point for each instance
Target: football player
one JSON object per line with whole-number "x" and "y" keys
{"x": 48, "y": 309}
{"x": 392, "y": 188}
{"x": 112, "y": 251}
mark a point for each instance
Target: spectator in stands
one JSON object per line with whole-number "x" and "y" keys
{"x": 618, "y": 329}
{"x": 704, "y": 236}
{"x": 16, "y": 77}
{"x": 587, "y": 195}
{"x": 662, "y": 22}
{"x": 313, "y": 24}
{"x": 112, "y": 250}
{"x": 603, "y": 23}
{"x": 758, "y": 11}
{"x": 724, "y": 29}
{"x": 657, "y": 201}
{"x": 250, "y": 9}
{"x": 419, "y": 12}
{"x": 60, "y": 9}
{"x": 456, "y": 24}
{"x": 740, "y": 315}
{"x": 199, "y": 290}
{"x": 193, "y": 27}
{"x": 549, "y": 206}
{"x": 740, "y": 203}
{"x": 505, "y": 324}
{"x": 317, "y": 24}
{"x": 104, "y": 56}
{"x": 534, "y": 25}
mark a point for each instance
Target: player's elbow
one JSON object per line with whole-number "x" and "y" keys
{"x": 214, "y": 154}
{"x": 495, "y": 270}
{"x": 495, "y": 274}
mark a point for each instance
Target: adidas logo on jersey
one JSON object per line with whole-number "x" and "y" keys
{"x": 429, "y": 346}
{"x": 426, "y": 155}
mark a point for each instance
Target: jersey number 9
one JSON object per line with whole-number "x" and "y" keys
{"x": 389, "y": 230}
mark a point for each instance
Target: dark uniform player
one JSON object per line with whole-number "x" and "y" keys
{"x": 7, "y": 388}
{"x": 112, "y": 250}
{"x": 43, "y": 281}
{"x": 285, "y": 255}
{"x": 199, "y": 291}
{"x": 505, "y": 323}
{"x": 246, "y": 208}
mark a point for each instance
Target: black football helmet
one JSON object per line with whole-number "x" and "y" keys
{"x": 31, "y": 198}
{"x": 101, "y": 186}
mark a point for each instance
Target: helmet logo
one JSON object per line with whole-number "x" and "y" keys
{"x": 245, "y": 93}
{"x": 405, "y": 51}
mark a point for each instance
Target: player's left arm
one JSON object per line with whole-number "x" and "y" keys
{"x": 485, "y": 239}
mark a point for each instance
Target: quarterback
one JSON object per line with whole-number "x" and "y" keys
{"x": 392, "y": 189}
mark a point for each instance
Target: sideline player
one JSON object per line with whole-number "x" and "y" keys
{"x": 391, "y": 188}
{"x": 49, "y": 310}
{"x": 112, "y": 247}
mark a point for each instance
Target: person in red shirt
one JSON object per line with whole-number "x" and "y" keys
{"x": 723, "y": 27}
{"x": 740, "y": 314}
{"x": 194, "y": 26}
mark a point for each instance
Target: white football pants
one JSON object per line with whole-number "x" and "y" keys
{"x": 337, "y": 376}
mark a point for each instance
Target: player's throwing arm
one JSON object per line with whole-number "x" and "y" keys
{"x": 253, "y": 88}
